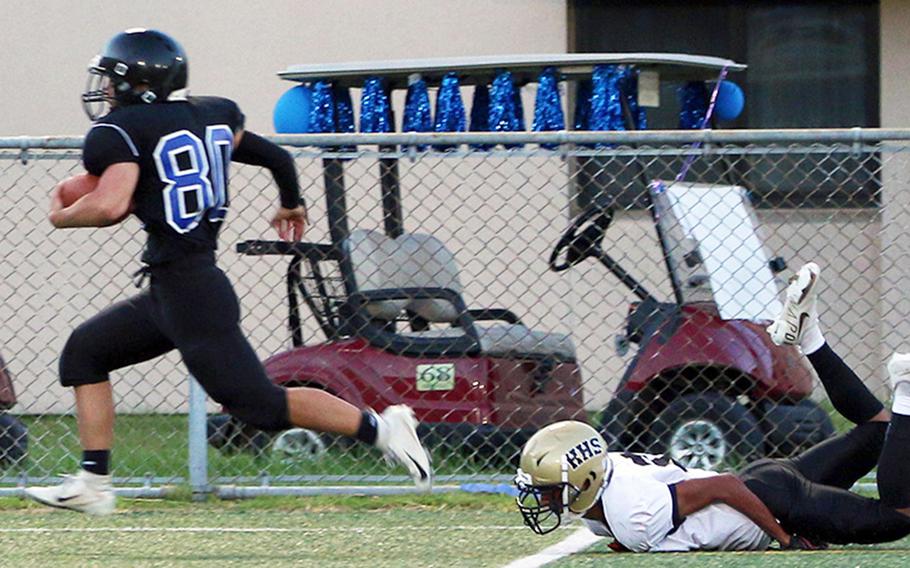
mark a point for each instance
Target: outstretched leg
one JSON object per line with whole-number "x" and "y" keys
{"x": 822, "y": 513}
{"x": 122, "y": 335}
{"x": 894, "y": 465}
{"x": 832, "y": 514}
{"x": 201, "y": 313}
{"x": 809, "y": 493}
{"x": 844, "y": 459}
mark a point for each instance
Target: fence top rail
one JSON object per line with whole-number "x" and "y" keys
{"x": 562, "y": 137}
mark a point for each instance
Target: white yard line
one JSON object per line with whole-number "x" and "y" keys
{"x": 577, "y": 541}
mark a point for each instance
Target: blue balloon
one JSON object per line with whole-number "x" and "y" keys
{"x": 292, "y": 111}
{"x": 730, "y": 101}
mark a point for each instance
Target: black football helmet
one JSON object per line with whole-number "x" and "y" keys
{"x": 136, "y": 66}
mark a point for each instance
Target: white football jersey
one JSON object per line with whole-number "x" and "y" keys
{"x": 640, "y": 507}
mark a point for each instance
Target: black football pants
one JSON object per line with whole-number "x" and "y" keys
{"x": 809, "y": 494}
{"x": 190, "y": 306}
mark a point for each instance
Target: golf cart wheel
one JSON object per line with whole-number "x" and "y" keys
{"x": 793, "y": 427}
{"x": 230, "y": 435}
{"x": 298, "y": 444}
{"x": 13, "y": 440}
{"x": 617, "y": 422}
{"x": 708, "y": 431}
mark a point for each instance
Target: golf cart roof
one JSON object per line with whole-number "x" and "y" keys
{"x": 524, "y": 68}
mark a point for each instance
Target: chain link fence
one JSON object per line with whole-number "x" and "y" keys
{"x": 494, "y": 282}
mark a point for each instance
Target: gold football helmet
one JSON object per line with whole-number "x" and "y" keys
{"x": 563, "y": 467}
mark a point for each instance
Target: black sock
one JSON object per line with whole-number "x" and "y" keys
{"x": 368, "y": 429}
{"x": 893, "y": 466}
{"x": 847, "y": 393}
{"x": 96, "y": 461}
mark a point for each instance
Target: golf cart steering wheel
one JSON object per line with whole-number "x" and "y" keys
{"x": 582, "y": 239}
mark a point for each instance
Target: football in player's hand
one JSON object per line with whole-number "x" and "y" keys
{"x": 73, "y": 188}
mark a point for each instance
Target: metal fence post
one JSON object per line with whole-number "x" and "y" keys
{"x": 198, "y": 442}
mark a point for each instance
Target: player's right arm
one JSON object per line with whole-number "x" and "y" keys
{"x": 693, "y": 495}
{"x": 107, "y": 205}
{"x": 111, "y": 153}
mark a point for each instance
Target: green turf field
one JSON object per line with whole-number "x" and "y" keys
{"x": 349, "y": 532}
{"x": 440, "y": 530}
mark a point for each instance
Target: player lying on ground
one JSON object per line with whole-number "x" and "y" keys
{"x": 650, "y": 503}
{"x": 166, "y": 156}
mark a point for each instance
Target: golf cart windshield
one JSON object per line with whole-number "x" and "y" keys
{"x": 711, "y": 237}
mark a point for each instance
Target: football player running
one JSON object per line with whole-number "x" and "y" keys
{"x": 650, "y": 503}
{"x": 165, "y": 155}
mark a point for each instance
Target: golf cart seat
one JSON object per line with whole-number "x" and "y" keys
{"x": 415, "y": 274}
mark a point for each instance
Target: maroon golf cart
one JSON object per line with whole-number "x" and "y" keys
{"x": 706, "y": 385}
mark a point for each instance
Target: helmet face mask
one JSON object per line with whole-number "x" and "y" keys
{"x": 99, "y": 93}
{"x": 563, "y": 472}
{"x": 542, "y": 507}
{"x": 137, "y": 66}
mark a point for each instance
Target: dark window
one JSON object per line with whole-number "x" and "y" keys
{"x": 812, "y": 64}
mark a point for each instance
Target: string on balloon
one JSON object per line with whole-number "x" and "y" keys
{"x": 707, "y": 120}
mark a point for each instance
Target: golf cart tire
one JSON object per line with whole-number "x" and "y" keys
{"x": 229, "y": 435}
{"x": 713, "y": 415}
{"x": 299, "y": 444}
{"x": 13, "y": 441}
{"x": 792, "y": 428}
{"x": 617, "y": 420}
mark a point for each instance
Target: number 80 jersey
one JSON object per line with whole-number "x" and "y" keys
{"x": 183, "y": 149}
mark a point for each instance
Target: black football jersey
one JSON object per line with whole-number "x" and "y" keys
{"x": 183, "y": 149}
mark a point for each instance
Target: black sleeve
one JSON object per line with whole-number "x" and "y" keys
{"x": 257, "y": 151}
{"x": 107, "y": 144}
{"x": 237, "y": 119}
{"x": 220, "y": 109}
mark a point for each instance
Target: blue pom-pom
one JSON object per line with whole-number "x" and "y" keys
{"x": 375, "y": 107}
{"x": 730, "y": 101}
{"x": 292, "y": 111}
{"x": 693, "y": 105}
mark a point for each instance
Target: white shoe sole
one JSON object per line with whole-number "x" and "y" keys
{"x": 100, "y": 508}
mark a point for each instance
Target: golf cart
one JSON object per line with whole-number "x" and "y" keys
{"x": 389, "y": 303}
{"x": 13, "y": 434}
{"x": 398, "y": 331}
{"x": 706, "y": 383}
